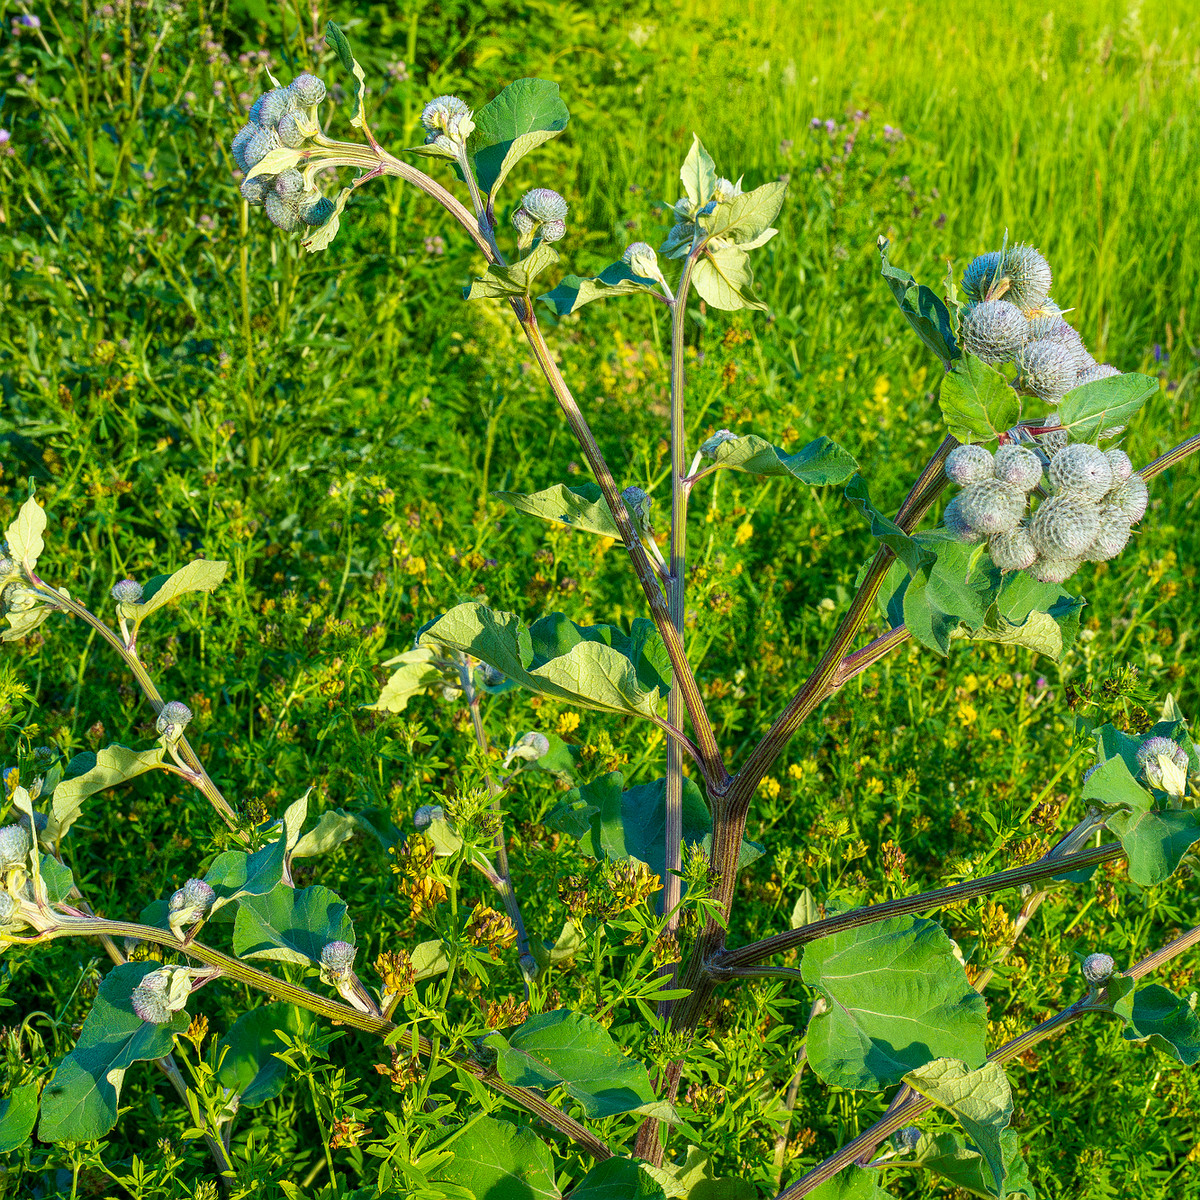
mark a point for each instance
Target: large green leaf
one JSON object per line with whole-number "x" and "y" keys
{"x": 516, "y": 279}
{"x": 724, "y": 278}
{"x": 698, "y": 173}
{"x": 1093, "y": 407}
{"x": 236, "y": 874}
{"x": 977, "y": 402}
{"x": 581, "y": 506}
{"x": 568, "y": 1049}
{"x": 89, "y": 773}
{"x": 24, "y": 535}
{"x": 819, "y": 463}
{"x": 250, "y": 1067}
{"x": 202, "y": 575}
{"x": 1169, "y": 1022}
{"x": 618, "y": 1178}
{"x": 950, "y": 1155}
{"x": 523, "y": 116}
{"x": 334, "y": 827}
{"x": 980, "y": 1100}
{"x": 414, "y": 672}
{"x": 612, "y": 823}
{"x": 18, "y": 1112}
{"x": 496, "y": 1160}
{"x": 908, "y": 550}
{"x": 854, "y": 1183}
{"x": 923, "y": 309}
{"x": 693, "y": 1179}
{"x": 896, "y": 998}
{"x": 745, "y": 218}
{"x": 594, "y": 666}
{"x": 80, "y": 1103}
{"x": 574, "y": 292}
{"x": 289, "y": 925}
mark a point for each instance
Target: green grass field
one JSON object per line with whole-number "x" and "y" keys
{"x": 180, "y": 380}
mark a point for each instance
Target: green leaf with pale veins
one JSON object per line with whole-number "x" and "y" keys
{"x": 950, "y": 1155}
{"x": 618, "y": 1179}
{"x": 524, "y": 115}
{"x": 1093, "y": 407}
{"x": 854, "y": 1183}
{"x": 250, "y": 1067}
{"x": 322, "y": 236}
{"x": 923, "y": 309}
{"x": 819, "y": 463}
{"x": 977, "y": 402}
{"x": 236, "y": 874}
{"x": 414, "y": 672}
{"x": 18, "y": 1112}
{"x": 89, "y": 773}
{"x": 980, "y": 1100}
{"x": 907, "y": 549}
{"x": 496, "y": 1160}
{"x": 289, "y": 925}
{"x": 24, "y": 535}
{"x": 202, "y": 575}
{"x": 80, "y": 1103}
{"x": 698, "y": 173}
{"x": 896, "y": 998}
{"x": 1169, "y": 1022}
{"x": 723, "y": 278}
{"x": 594, "y": 666}
{"x": 568, "y": 1049}
{"x": 516, "y": 279}
{"x": 334, "y": 827}
{"x": 744, "y": 219}
{"x": 581, "y": 506}
{"x": 615, "y": 280}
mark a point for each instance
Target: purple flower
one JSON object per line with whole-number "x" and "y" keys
{"x": 892, "y": 134}
{"x": 815, "y": 123}
{"x": 831, "y": 127}
{"x": 29, "y": 21}
{"x": 1160, "y": 355}
{"x": 1041, "y": 684}
{"x": 4, "y": 136}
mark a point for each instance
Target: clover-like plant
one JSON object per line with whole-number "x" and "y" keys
{"x": 893, "y": 1006}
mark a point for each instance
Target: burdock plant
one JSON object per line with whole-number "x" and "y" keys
{"x": 891, "y": 1005}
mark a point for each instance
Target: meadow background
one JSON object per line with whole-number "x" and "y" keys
{"x": 179, "y": 379}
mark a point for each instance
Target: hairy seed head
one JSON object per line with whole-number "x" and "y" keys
{"x": 307, "y": 89}
{"x": 1131, "y": 498}
{"x": 1012, "y": 551}
{"x": 1122, "y": 468}
{"x": 992, "y": 507}
{"x": 1064, "y": 526}
{"x": 1018, "y": 466}
{"x": 1053, "y": 570}
{"x": 957, "y": 524}
{"x": 1097, "y": 968}
{"x": 994, "y": 331}
{"x": 969, "y": 464}
{"x": 127, "y": 591}
{"x": 980, "y": 274}
{"x": 1047, "y": 369}
{"x": 1082, "y": 468}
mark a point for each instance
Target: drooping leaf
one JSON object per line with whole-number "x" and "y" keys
{"x": 698, "y": 173}
{"x": 202, "y": 575}
{"x": 574, "y": 1051}
{"x": 574, "y": 292}
{"x": 236, "y": 874}
{"x": 978, "y": 404}
{"x": 89, "y": 773}
{"x": 1093, "y": 407}
{"x": 693, "y": 1179}
{"x": 950, "y": 1155}
{"x": 979, "y": 1100}
{"x": 517, "y": 278}
{"x": 560, "y": 760}
{"x": 18, "y": 1112}
{"x": 854, "y": 1183}
{"x": 430, "y": 959}
{"x": 524, "y": 115}
{"x": 321, "y": 237}
{"x": 908, "y": 550}
{"x": 1170, "y": 1023}
{"x": 805, "y": 911}
{"x": 618, "y": 1178}
{"x": 724, "y": 278}
{"x": 564, "y": 948}
{"x": 581, "y": 506}
{"x": 80, "y": 1102}
{"x": 250, "y": 1067}
{"x": 334, "y": 827}
{"x": 819, "y": 463}
{"x": 289, "y": 925}
{"x": 745, "y": 218}
{"x": 923, "y": 309}
{"x": 24, "y": 535}
{"x": 1039, "y": 616}
{"x": 413, "y": 674}
{"x": 948, "y": 598}
{"x": 896, "y": 998}
{"x": 594, "y": 666}
{"x": 57, "y": 878}
{"x": 496, "y": 1160}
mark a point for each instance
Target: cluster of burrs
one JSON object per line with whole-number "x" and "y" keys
{"x": 1091, "y": 498}
{"x": 287, "y": 117}
{"x": 1010, "y": 318}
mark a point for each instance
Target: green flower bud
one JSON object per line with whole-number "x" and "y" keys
{"x": 307, "y": 89}
{"x": 639, "y": 505}
{"x": 1131, "y": 499}
{"x": 994, "y": 331}
{"x": 957, "y": 524}
{"x": 255, "y": 191}
{"x": 448, "y": 117}
{"x": 981, "y": 274}
{"x": 1112, "y": 537}
{"x": 1053, "y": 570}
{"x": 1095, "y": 372}
{"x": 906, "y": 1139}
{"x": 290, "y": 132}
{"x": 529, "y": 747}
{"x": 553, "y": 231}
{"x": 316, "y": 209}
{"x": 7, "y": 566}
{"x": 15, "y": 844}
{"x": 241, "y": 139}
{"x": 259, "y": 146}
{"x": 1054, "y": 443}
{"x": 7, "y": 908}
{"x": 709, "y": 447}
{"x": 127, "y": 591}
{"x": 150, "y": 1000}
{"x": 1065, "y": 526}
{"x": 281, "y": 213}
{"x": 173, "y": 718}
{"x": 1029, "y": 275}
{"x": 1122, "y": 468}
{"x": 1082, "y": 468}
{"x": 641, "y": 260}
{"x": 1097, "y": 968}
{"x": 1018, "y": 466}
{"x": 337, "y": 962}
{"x": 427, "y": 814}
{"x": 992, "y": 507}
{"x": 523, "y": 223}
{"x": 969, "y": 464}
{"x": 194, "y": 894}
{"x": 543, "y": 204}
{"x": 275, "y": 105}
{"x": 289, "y": 184}
{"x": 1047, "y": 369}
{"x": 1162, "y": 747}
{"x": 726, "y": 190}
{"x": 1012, "y": 551}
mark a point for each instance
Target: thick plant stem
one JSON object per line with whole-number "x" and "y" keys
{"x": 715, "y": 775}
{"x": 342, "y": 1014}
{"x": 1175, "y": 455}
